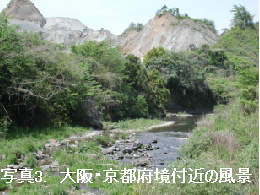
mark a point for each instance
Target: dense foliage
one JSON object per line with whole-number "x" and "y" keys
{"x": 185, "y": 77}
{"x": 242, "y": 17}
{"x": 39, "y": 83}
{"x": 43, "y": 86}
{"x": 131, "y": 90}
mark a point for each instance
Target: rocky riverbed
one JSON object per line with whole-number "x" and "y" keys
{"x": 154, "y": 147}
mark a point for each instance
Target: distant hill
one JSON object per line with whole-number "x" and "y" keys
{"x": 25, "y": 10}
{"x": 166, "y": 30}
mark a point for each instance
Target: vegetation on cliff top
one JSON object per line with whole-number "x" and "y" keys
{"x": 176, "y": 12}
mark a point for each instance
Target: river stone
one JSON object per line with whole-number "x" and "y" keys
{"x": 64, "y": 142}
{"x": 48, "y": 145}
{"x": 142, "y": 163}
{"x": 40, "y": 156}
{"x": 18, "y": 167}
{"x": 148, "y": 146}
{"x": 120, "y": 157}
{"x": 54, "y": 164}
{"x": 112, "y": 148}
{"x": 107, "y": 151}
{"x": 128, "y": 156}
{"x": 73, "y": 145}
{"x": 79, "y": 135}
{"x": 45, "y": 168}
{"x": 137, "y": 145}
{"x": 127, "y": 151}
{"x": 154, "y": 141}
{"x": 149, "y": 155}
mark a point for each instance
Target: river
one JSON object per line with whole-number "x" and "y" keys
{"x": 169, "y": 140}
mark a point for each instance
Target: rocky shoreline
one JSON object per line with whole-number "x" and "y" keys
{"x": 128, "y": 148}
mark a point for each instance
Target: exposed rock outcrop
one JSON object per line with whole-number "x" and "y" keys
{"x": 26, "y": 25}
{"x": 167, "y": 31}
{"x": 24, "y": 10}
{"x": 72, "y": 32}
{"x": 64, "y": 30}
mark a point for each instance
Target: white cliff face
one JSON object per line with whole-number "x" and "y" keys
{"x": 169, "y": 32}
{"x": 26, "y": 25}
{"x": 72, "y": 32}
{"x": 64, "y": 30}
{"x": 99, "y": 35}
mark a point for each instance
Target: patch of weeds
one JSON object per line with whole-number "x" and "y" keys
{"x": 3, "y": 184}
{"x": 91, "y": 148}
{"x": 28, "y": 188}
{"x": 31, "y": 161}
{"x": 29, "y": 146}
{"x": 122, "y": 136}
{"x": 104, "y": 140}
{"x": 12, "y": 159}
{"x": 58, "y": 191}
{"x": 72, "y": 149}
{"x": 182, "y": 113}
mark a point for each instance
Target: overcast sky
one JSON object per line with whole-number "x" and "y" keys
{"x": 116, "y": 15}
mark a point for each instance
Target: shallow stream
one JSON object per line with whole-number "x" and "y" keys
{"x": 169, "y": 139}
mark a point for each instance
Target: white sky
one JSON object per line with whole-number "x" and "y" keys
{"x": 116, "y": 15}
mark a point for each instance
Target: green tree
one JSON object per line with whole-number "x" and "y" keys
{"x": 154, "y": 53}
{"x": 39, "y": 86}
{"x": 242, "y": 17}
{"x": 102, "y": 52}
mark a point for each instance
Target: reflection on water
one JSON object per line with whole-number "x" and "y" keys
{"x": 182, "y": 124}
{"x": 169, "y": 138}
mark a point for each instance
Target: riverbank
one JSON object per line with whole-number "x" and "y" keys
{"x": 54, "y": 148}
{"x": 228, "y": 139}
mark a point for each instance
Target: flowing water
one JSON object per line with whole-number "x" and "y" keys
{"x": 169, "y": 139}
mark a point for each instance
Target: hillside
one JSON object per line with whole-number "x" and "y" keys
{"x": 167, "y": 30}
{"x": 24, "y": 10}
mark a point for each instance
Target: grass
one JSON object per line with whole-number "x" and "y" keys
{"x": 182, "y": 113}
{"x": 20, "y": 142}
{"x": 76, "y": 161}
